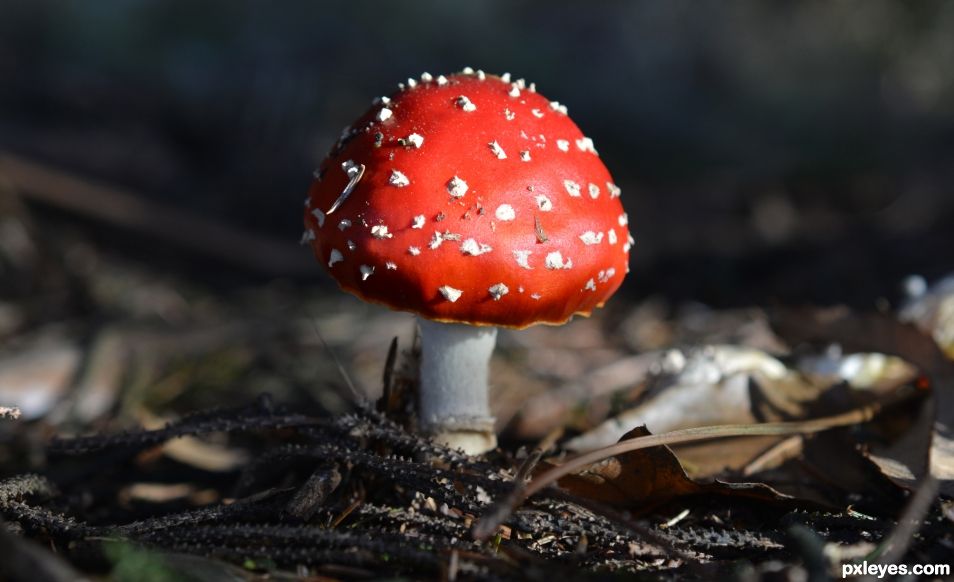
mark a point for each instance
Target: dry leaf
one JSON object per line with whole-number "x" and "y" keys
{"x": 932, "y": 310}
{"x": 719, "y": 384}
{"x": 887, "y": 335}
{"x": 840, "y": 474}
{"x": 653, "y": 476}
{"x": 34, "y": 379}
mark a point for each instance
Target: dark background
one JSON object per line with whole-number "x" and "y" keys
{"x": 769, "y": 151}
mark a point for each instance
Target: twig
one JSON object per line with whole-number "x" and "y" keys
{"x": 530, "y": 463}
{"x": 499, "y": 511}
{"x": 777, "y": 453}
{"x": 359, "y": 398}
{"x": 387, "y": 379}
{"x": 27, "y": 560}
{"x": 856, "y": 416}
{"x": 647, "y": 534}
{"x": 897, "y": 543}
{"x": 128, "y": 210}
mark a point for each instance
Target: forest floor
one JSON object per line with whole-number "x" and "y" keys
{"x": 169, "y": 420}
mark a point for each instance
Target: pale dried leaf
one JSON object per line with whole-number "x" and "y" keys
{"x": 710, "y": 385}
{"x": 36, "y": 378}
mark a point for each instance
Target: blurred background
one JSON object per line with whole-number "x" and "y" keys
{"x": 154, "y": 157}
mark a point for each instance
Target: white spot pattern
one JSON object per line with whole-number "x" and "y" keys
{"x": 606, "y": 275}
{"x": 585, "y": 144}
{"x": 629, "y": 243}
{"x": 498, "y": 290}
{"x": 380, "y": 231}
{"x": 465, "y": 103}
{"x": 505, "y": 212}
{"x": 591, "y": 238}
{"x": 572, "y": 188}
{"x": 457, "y": 187}
{"x": 523, "y": 258}
{"x": 398, "y": 179}
{"x": 555, "y": 261}
{"x": 497, "y": 150}
{"x": 473, "y": 248}
{"x": 450, "y": 293}
{"x": 319, "y": 216}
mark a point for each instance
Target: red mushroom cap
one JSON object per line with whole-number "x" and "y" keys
{"x": 470, "y": 199}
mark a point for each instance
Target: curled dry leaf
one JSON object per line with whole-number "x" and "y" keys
{"x": 719, "y": 384}
{"x": 929, "y": 447}
{"x": 653, "y": 476}
{"x": 204, "y": 455}
{"x": 861, "y": 371}
{"x": 932, "y": 310}
{"x": 724, "y": 384}
{"x": 34, "y": 379}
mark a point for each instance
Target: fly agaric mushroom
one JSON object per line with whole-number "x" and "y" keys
{"x": 475, "y": 203}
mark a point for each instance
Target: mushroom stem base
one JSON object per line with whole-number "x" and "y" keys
{"x": 453, "y": 399}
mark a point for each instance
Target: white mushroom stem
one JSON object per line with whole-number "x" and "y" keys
{"x": 453, "y": 400}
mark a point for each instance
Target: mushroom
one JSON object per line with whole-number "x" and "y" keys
{"x": 475, "y": 203}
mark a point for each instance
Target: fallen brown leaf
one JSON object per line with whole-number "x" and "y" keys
{"x": 910, "y": 460}
{"x": 636, "y": 441}
{"x": 653, "y": 476}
